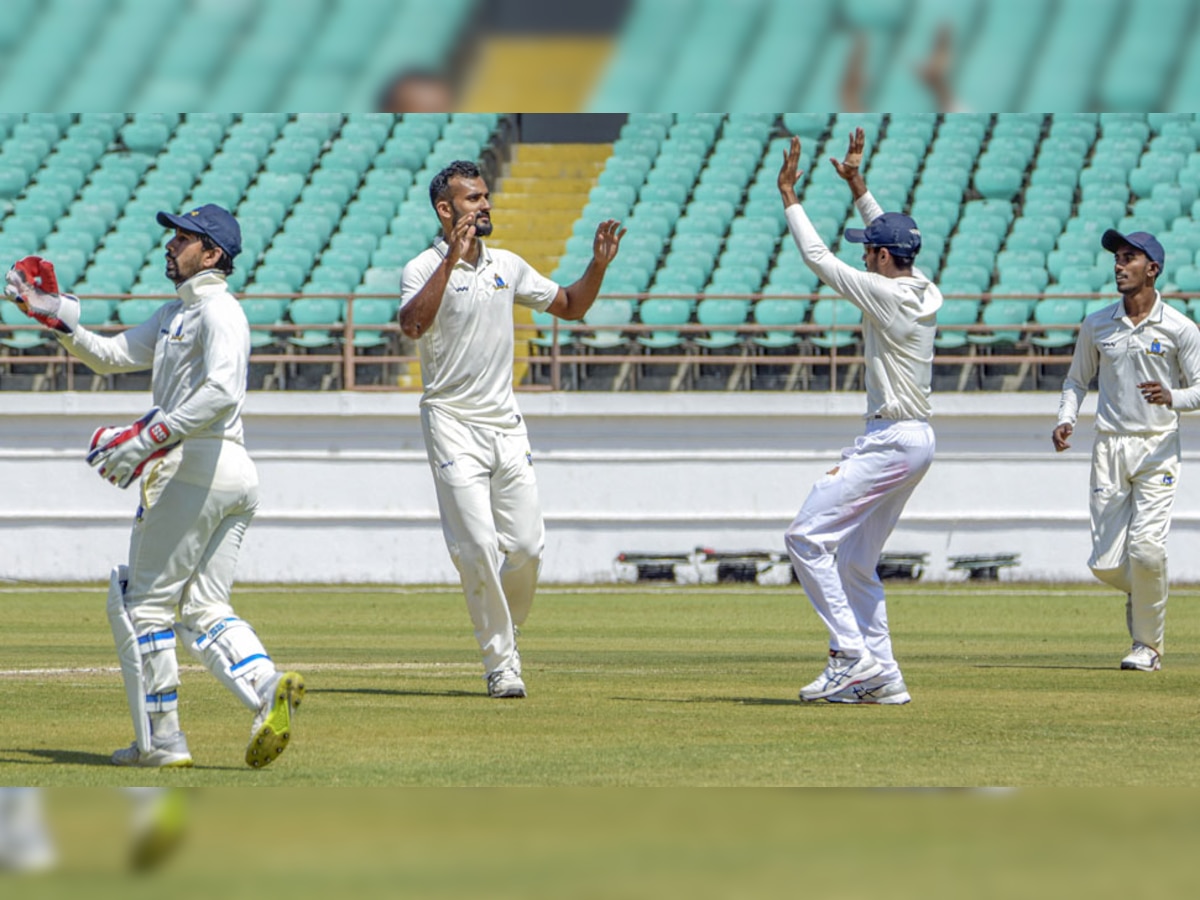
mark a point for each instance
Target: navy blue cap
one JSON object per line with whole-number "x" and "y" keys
{"x": 214, "y": 221}
{"x": 1112, "y": 241}
{"x": 895, "y": 231}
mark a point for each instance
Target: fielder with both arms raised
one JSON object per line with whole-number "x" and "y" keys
{"x": 199, "y": 490}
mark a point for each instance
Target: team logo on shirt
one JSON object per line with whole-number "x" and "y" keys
{"x": 1155, "y": 348}
{"x": 500, "y": 282}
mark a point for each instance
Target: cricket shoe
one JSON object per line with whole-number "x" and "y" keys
{"x": 1142, "y": 659}
{"x": 273, "y": 725}
{"x": 170, "y": 751}
{"x": 158, "y": 828}
{"x": 505, "y": 683}
{"x": 841, "y": 672}
{"x": 892, "y": 692}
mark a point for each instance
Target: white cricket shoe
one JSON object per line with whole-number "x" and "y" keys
{"x": 841, "y": 672}
{"x": 893, "y": 692}
{"x": 1142, "y": 659}
{"x": 170, "y": 751}
{"x": 505, "y": 683}
{"x": 272, "y": 729}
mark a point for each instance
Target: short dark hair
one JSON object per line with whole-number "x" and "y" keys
{"x": 224, "y": 264}
{"x": 440, "y": 186}
{"x": 902, "y": 262}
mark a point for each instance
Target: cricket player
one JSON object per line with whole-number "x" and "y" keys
{"x": 1147, "y": 359}
{"x": 837, "y": 536}
{"x": 457, "y": 302}
{"x": 198, "y": 490}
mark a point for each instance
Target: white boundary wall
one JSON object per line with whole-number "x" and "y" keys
{"x": 347, "y": 496}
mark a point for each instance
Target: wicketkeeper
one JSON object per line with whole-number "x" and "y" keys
{"x": 198, "y": 489}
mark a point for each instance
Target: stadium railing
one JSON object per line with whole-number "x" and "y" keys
{"x": 563, "y": 362}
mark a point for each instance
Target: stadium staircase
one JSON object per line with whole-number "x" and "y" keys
{"x": 540, "y": 196}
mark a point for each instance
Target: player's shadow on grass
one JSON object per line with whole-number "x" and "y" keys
{"x": 395, "y": 692}
{"x": 1080, "y": 668}
{"x": 76, "y": 758}
{"x": 740, "y": 701}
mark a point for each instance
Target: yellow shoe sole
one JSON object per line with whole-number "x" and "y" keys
{"x": 273, "y": 735}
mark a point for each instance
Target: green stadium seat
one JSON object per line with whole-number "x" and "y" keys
{"x": 1057, "y": 311}
{"x": 607, "y": 317}
{"x": 999, "y": 182}
{"x": 367, "y": 312}
{"x": 721, "y": 311}
{"x": 314, "y": 311}
{"x": 835, "y": 311}
{"x": 955, "y": 312}
{"x": 1002, "y": 315}
{"x": 135, "y": 311}
{"x": 666, "y": 315}
{"x": 785, "y": 313}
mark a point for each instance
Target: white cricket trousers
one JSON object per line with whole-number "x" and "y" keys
{"x": 1134, "y": 478}
{"x": 492, "y": 522}
{"x": 196, "y": 505}
{"x": 837, "y": 536}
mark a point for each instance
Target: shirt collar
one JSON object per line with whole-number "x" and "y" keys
{"x": 203, "y": 284}
{"x": 1155, "y": 315}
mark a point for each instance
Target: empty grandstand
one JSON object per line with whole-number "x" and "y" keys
{"x": 706, "y": 293}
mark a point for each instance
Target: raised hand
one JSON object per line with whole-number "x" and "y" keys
{"x": 789, "y": 172}
{"x": 608, "y": 241}
{"x": 848, "y": 167}
{"x": 461, "y": 238}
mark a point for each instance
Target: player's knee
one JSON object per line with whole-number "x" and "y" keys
{"x": 472, "y": 559}
{"x": 802, "y": 546}
{"x": 525, "y": 551}
{"x": 149, "y": 617}
{"x": 1117, "y": 578}
{"x": 1147, "y": 553}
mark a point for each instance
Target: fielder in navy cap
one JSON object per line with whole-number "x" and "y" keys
{"x": 1112, "y": 241}
{"x": 851, "y": 511}
{"x": 211, "y": 221}
{"x": 1143, "y": 356}
{"x": 895, "y": 231}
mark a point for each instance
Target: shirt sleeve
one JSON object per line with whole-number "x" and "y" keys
{"x": 531, "y": 288}
{"x": 869, "y": 292}
{"x": 1085, "y": 363}
{"x": 868, "y": 208}
{"x": 226, "y": 342}
{"x": 130, "y": 351}
{"x": 413, "y": 278}
{"x": 1187, "y": 396}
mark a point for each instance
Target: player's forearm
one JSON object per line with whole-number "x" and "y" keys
{"x": 104, "y": 355}
{"x": 417, "y": 315}
{"x": 1070, "y": 401}
{"x": 858, "y": 185}
{"x": 581, "y": 294}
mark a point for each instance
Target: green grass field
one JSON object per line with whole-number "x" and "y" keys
{"x": 1012, "y": 684}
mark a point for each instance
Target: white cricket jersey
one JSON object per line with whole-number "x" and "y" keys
{"x": 899, "y": 320}
{"x": 467, "y": 353}
{"x": 198, "y": 348}
{"x": 1163, "y": 347}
